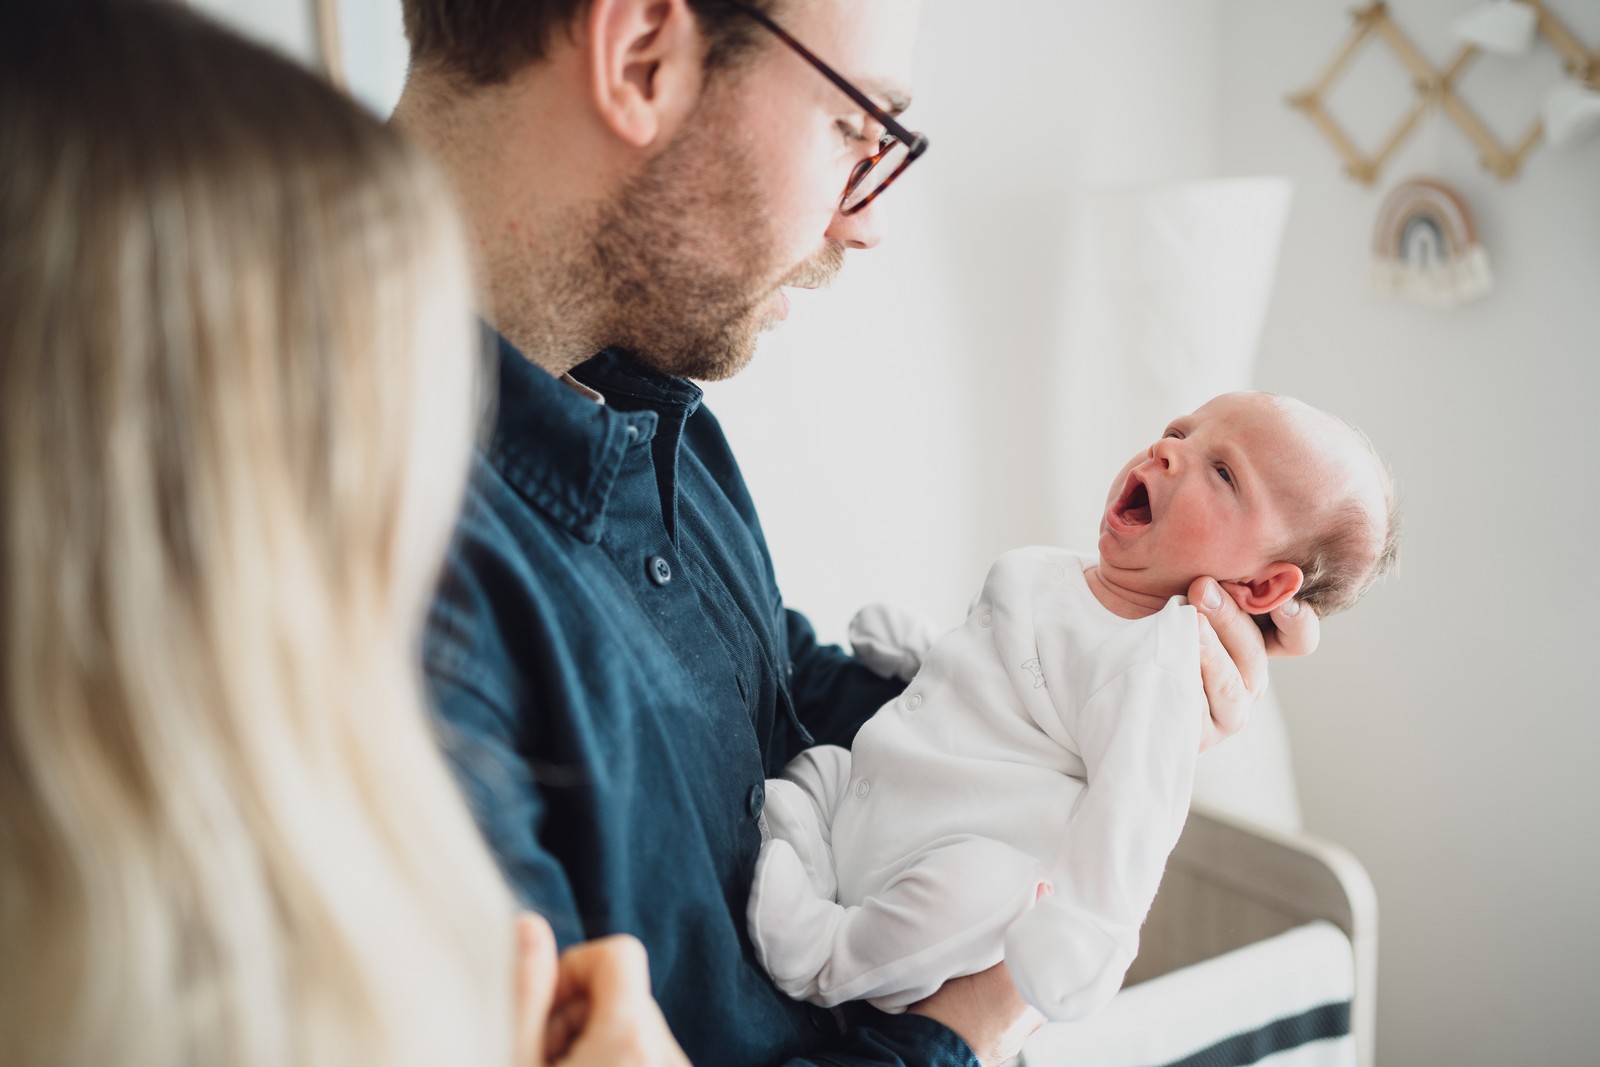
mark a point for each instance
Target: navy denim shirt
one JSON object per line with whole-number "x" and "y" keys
{"x": 616, "y": 674}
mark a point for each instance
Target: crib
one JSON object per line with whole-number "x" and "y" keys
{"x": 1261, "y": 942}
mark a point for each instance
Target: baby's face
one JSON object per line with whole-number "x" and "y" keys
{"x": 1221, "y": 493}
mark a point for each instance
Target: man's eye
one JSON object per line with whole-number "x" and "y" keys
{"x": 1224, "y": 474}
{"x": 849, "y": 132}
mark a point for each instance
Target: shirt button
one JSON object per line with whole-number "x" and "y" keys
{"x": 659, "y": 570}
{"x": 863, "y": 787}
{"x": 755, "y": 799}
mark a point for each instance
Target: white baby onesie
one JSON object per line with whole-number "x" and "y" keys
{"x": 1046, "y": 742}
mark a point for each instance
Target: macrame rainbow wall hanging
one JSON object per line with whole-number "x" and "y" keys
{"x": 1424, "y": 247}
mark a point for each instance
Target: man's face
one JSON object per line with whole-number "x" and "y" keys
{"x": 1214, "y": 496}
{"x": 698, "y": 247}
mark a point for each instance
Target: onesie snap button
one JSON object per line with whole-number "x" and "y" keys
{"x": 914, "y": 701}
{"x": 659, "y": 569}
{"x": 986, "y": 619}
{"x": 863, "y": 787}
{"x": 754, "y": 800}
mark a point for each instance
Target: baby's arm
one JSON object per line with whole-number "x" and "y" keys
{"x": 891, "y": 641}
{"x": 1139, "y": 737}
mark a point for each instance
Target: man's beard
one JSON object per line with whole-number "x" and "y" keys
{"x": 682, "y": 258}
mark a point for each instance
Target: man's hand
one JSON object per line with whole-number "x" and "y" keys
{"x": 986, "y": 1011}
{"x": 1234, "y": 651}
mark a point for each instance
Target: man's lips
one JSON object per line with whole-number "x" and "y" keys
{"x": 1131, "y": 509}
{"x": 780, "y": 299}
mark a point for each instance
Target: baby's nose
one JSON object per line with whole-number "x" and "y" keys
{"x": 1163, "y": 452}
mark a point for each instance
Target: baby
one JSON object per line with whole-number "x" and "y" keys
{"x": 1019, "y": 800}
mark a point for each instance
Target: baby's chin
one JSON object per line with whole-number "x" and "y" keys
{"x": 1143, "y": 580}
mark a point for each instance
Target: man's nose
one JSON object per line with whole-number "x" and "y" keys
{"x": 862, "y": 230}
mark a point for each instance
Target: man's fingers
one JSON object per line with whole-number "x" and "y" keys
{"x": 1233, "y": 660}
{"x": 1296, "y": 630}
{"x": 1228, "y": 702}
{"x": 1241, "y": 639}
{"x": 533, "y": 986}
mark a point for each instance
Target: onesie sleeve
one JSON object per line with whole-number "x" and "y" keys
{"x": 833, "y": 692}
{"x": 1139, "y": 736}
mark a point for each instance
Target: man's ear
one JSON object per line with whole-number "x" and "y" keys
{"x": 646, "y": 66}
{"x": 1276, "y": 583}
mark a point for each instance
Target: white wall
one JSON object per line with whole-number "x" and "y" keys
{"x": 287, "y": 25}
{"x": 371, "y": 40}
{"x": 1448, "y": 730}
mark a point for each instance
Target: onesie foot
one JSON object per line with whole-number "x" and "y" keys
{"x": 791, "y": 927}
{"x": 792, "y": 817}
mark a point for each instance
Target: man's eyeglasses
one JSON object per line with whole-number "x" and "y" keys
{"x": 897, "y": 149}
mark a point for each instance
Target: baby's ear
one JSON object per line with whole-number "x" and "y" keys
{"x": 1276, "y": 583}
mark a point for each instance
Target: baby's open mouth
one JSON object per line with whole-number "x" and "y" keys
{"x": 1133, "y": 508}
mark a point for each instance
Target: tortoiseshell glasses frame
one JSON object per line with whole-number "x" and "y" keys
{"x": 898, "y": 148}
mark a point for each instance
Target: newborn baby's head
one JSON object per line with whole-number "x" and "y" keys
{"x": 1266, "y": 494}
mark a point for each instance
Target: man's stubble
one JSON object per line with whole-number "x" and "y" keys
{"x": 685, "y": 256}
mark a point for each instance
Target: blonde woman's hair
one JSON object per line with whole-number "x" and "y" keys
{"x": 235, "y": 406}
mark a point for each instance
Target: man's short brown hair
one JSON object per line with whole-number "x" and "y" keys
{"x": 484, "y": 42}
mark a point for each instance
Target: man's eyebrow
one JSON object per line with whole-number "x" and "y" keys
{"x": 894, "y": 101}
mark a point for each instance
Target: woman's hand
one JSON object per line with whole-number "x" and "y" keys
{"x": 589, "y": 1008}
{"x": 1234, "y": 651}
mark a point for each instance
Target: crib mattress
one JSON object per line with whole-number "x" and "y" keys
{"x": 1284, "y": 1002}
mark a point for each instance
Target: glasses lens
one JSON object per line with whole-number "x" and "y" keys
{"x": 874, "y": 174}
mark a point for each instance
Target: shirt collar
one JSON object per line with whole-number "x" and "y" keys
{"x": 628, "y": 384}
{"x": 560, "y": 449}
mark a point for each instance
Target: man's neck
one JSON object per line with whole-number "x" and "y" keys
{"x": 522, "y": 205}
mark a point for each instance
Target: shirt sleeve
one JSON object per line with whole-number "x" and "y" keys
{"x": 480, "y": 742}
{"x": 833, "y": 692}
{"x": 1140, "y": 736}
{"x": 893, "y": 1041}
